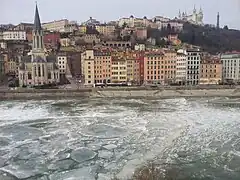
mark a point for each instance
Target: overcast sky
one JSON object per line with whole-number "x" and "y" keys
{"x": 16, "y": 11}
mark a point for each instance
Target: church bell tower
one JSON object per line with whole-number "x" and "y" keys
{"x": 38, "y": 45}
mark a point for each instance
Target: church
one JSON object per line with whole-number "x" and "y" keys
{"x": 194, "y": 18}
{"x": 38, "y": 68}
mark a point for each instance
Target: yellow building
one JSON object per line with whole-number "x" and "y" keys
{"x": 12, "y": 65}
{"x": 82, "y": 29}
{"x": 130, "y": 70}
{"x": 133, "y": 71}
{"x": 88, "y": 67}
{"x": 119, "y": 69}
{"x": 106, "y": 30}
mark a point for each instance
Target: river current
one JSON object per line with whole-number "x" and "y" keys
{"x": 99, "y": 138}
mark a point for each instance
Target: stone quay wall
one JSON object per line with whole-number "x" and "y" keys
{"x": 119, "y": 93}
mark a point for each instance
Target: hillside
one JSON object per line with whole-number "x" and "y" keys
{"x": 211, "y": 39}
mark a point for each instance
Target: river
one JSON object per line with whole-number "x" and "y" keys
{"x": 99, "y": 138}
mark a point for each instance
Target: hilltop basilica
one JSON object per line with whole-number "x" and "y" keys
{"x": 194, "y": 18}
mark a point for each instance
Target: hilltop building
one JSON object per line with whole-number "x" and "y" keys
{"x": 37, "y": 68}
{"x": 91, "y": 22}
{"x": 194, "y": 18}
{"x": 134, "y": 22}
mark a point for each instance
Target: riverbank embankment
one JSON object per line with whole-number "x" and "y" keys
{"x": 120, "y": 92}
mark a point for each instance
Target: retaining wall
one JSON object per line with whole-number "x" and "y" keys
{"x": 118, "y": 92}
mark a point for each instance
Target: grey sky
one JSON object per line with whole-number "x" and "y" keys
{"x": 15, "y": 11}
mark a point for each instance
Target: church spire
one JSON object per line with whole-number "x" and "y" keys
{"x": 179, "y": 14}
{"x": 37, "y": 33}
{"x": 37, "y": 22}
{"x": 194, "y": 9}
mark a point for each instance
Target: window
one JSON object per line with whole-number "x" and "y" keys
{"x": 49, "y": 75}
{"x": 39, "y": 71}
{"x": 29, "y": 75}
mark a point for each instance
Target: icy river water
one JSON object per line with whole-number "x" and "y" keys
{"x": 88, "y": 139}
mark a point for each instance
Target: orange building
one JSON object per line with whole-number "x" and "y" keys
{"x": 211, "y": 70}
{"x": 153, "y": 68}
{"x": 170, "y": 61}
{"x": 160, "y": 67}
{"x": 102, "y": 67}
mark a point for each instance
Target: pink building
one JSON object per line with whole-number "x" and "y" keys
{"x": 141, "y": 33}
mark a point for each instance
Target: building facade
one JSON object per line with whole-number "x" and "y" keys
{"x": 102, "y": 67}
{"x": 56, "y": 25}
{"x": 134, "y": 22}
{"x": 87, "y": 59}
{"x": 154, "y": 68}
{"x": 62, "y": 60}
{"x": 106, "y": 30}
{"x": 14, "y": 35}
{"x": 24, "y": 27}
{"x": 194, "y": 18}
{"x": 2, "y": 67}
{"x": 119, "y": 69}
{"x": 37, "y": 68}
{"x": 181, "y": 68}
{"x": 231, "y": 67}
{"x": 193, "y": 66}
{"x": 211, "y": 70}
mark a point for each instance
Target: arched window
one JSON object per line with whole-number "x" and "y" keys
{"x": 29, "y": 76}
{"x": 38, "y": 42}
{"x": 43, "y": 72}
{"x": 35, "y": 70}
{"x": 49, "y": 75}
{"x": 39, "y": 70}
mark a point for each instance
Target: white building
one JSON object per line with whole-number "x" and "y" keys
{"x": 194, "y": 18}
{"x": 177, "y": 25}
{"x": 140, "y": 47}
{"x": 14, "y": 35}
{"x": 181, "y": 68}
{"x": 134, "y": 22}
{"x": 160, "y": 19}
{"x": 231, "y": 67}
{"x": 193, "y": 61}
{"x": 61, "y": 26}
{"x": 62, "y": 64}
{"x": 3, "y": 44}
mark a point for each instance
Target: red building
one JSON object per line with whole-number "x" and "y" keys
{"x": 140, "y": 59}
{"x": 49, "y": 39}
